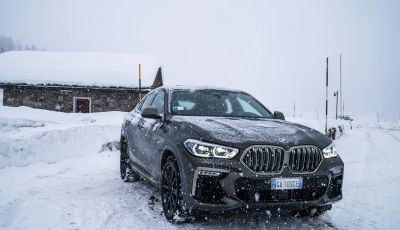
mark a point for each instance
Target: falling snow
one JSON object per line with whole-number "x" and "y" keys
{"x": 54, "y": 176}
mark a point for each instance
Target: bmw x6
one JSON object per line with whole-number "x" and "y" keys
{"x": 211, "y": 149}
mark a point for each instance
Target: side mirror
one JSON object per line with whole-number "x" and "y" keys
{"x": 279, "y": 115}
{"x": 150, "y": 112}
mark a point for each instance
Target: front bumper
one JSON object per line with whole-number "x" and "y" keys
{"x": 221, "y": 184}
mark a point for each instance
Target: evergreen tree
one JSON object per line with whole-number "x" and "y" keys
{"x": 7, "y": 44}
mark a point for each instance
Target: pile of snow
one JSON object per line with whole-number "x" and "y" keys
{"x": 31, "y": 135}
{"x": 80, "y": 68}
{"x": 320, "y": 124}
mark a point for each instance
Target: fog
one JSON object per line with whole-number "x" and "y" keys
{"x": 275, "y": 50}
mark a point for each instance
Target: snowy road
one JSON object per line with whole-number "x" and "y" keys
{"x": 372, "y": 179}
{"x": 84, "y": 191}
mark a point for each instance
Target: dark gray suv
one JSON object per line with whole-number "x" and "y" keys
{"x": 212, "y": 149}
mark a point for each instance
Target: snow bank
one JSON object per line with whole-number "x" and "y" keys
{"x": 68, "y": 68}
{"x": 31, "y": 135}
{"x": 320, "y": 124}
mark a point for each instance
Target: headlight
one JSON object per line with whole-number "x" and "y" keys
{"x": 330, "y": 151}
{"x": 203, "y": 149}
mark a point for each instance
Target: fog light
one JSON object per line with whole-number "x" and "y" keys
{"x": 209, "y": 173}
{"x": 337, "y": 170}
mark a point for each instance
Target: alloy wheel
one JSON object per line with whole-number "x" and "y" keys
{"x": 170, "y": 189}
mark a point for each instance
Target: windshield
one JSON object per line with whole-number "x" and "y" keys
{"x": 216, "y": 103}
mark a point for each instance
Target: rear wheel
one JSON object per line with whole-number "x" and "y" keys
{"x": 171, "y": 192}
{"x": 127, "y": 174}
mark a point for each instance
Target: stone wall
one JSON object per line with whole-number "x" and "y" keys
{"x": 61, "y": 98}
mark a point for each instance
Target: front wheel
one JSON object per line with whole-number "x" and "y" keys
{"x": 171, "y": 192}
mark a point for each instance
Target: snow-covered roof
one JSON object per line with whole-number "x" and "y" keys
{"x": 77, "y": 68}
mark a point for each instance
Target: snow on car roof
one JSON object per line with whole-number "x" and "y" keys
{"x": 77, "y": 68}
{"x": 199, "y": 87}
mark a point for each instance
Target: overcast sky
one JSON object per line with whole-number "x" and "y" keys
{"x": 276, "y": 50}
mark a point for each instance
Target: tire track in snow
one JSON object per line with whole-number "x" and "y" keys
{"x": 389, "y": 133}
{"x": 374, "y": 146}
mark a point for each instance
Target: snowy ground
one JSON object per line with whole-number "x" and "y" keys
{"x": 52, "y": 176}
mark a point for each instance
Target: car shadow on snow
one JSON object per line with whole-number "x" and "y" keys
{"x": 238, "y": 219}
{"x": 245, "y": 219}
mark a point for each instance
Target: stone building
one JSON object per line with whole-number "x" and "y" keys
{"x": 76, "y": 82}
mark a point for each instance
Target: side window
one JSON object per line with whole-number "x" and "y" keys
{"x": 139, "y": 105}
{"x": 228, "y": 106}
{"x": 159, "y": 102}
{"x": 147, "y": 101}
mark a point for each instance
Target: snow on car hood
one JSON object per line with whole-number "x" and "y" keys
{"x": 239, "y": 131}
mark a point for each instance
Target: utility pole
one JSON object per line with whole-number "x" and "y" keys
{"x": 294, "y": 109}
{"x": 343, "y": 108}
{"x": 326, "y": 99}
{"x": 140, "y": 82}
{"x": 341, "y": 92}
{"x": 336, "y": 94}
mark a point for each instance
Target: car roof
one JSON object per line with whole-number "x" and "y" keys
{"x": 197, "y": 87}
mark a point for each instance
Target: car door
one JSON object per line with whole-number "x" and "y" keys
{"x": 134, "y": 131}
{"x": 152, "y": 134}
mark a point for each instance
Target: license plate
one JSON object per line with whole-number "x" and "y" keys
{"x": 286, "y": 183}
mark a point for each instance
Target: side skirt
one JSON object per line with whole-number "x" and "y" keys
{"x": 144, "y": 174}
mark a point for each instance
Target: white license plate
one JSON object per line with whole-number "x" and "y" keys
{"x": 286, "y": 183}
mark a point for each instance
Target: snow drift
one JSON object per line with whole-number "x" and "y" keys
{"x": 29, "y": 135}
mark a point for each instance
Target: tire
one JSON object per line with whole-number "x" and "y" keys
{"x": 171, "y": 192}
{"x": 126, "y": 172}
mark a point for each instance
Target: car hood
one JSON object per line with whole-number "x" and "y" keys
{"x": 242, "y": 132}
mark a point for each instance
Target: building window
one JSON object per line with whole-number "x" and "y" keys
{"x": 82, "y": 104}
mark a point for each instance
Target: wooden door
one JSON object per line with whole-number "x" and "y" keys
{"x": 82, "y": 105}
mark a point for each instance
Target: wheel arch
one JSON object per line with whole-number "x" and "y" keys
{"x": 165, "y": 154}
